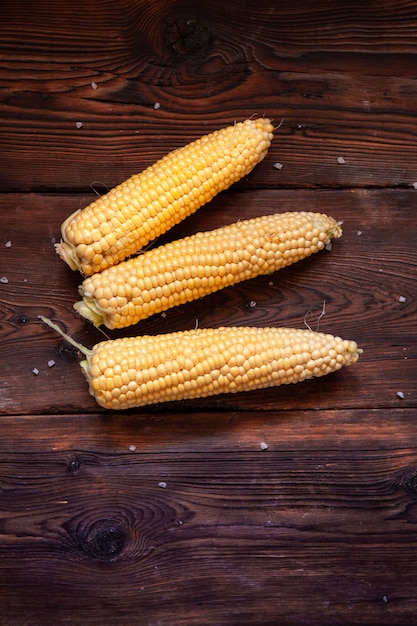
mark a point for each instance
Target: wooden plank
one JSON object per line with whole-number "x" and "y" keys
{"x": 341, "y": 79}
{"x": 287, "y": 506}
{"x": 185, "y": 520}
{"x": 366, "y": 281}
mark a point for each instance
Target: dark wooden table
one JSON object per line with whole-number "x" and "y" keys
{"x": 175, "y": 515}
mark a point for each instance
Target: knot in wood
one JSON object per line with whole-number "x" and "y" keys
{"x": 409, "y": 482}
{"x": 104, "y": 541}
{"x": 68, "y": 352}
{"x": 186, "y": 35}
{"x": 74, "y": 465}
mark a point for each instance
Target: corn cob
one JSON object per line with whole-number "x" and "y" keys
{"x": 137, "y": 371}
{"x": 137, "y": 211}
{"x": 203, "y": 263}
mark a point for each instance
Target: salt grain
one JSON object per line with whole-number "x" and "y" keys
{"x": 132, "y": 448}
{"x": 4, "y": 280}
{"x": 359, "y": 233}
{"x": 51, "y": 363}
{"x": 402, "y": 299}
{"x": 278, "y": 166}
{"x": 401, "y": 394}
{"x": 415, "y": 185}
{"x": 162, "y": 485}
{"x": 263, "y": 445}
{"x": 341, "y": 160}
{"x": 252, "y": 304}
{"x": 78, "y": 125}
{"x": 8, "y": 244}
{"x": 157, "y": 105}
{"x": 93, "y": 85}
{"x": 35, "y": 371}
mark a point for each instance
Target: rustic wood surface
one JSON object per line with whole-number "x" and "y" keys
{"x": 174, "y": 514}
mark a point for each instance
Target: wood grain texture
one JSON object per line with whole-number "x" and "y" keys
{"x": 175, "y": 515}
{"x": 144, "y": 517}
{"x": 333, "y": 75}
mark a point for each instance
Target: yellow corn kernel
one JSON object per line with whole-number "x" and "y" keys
{"x": 137, "y": 211}
{"x": 201, "y": 264}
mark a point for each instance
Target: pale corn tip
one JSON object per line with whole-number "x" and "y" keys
{"x": 132, "y": 372}
{"x": 137, "y": 211}
{"x": 193, "y": 267}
